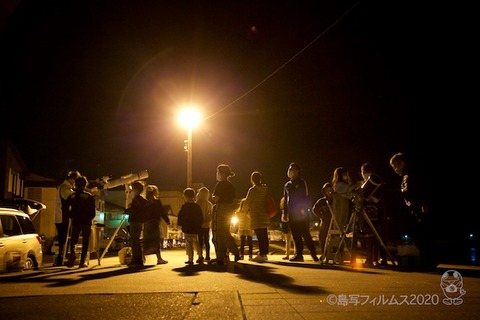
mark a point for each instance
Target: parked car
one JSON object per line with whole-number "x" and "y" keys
{"x": 21, "y": 248}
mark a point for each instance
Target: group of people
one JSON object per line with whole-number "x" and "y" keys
{"x": 204, "y": 212}
{"x": 358, "y": 208}
{"x": 145, "y": 213}
{"x": 77, "y": 211}
{"x": 355, "y": 208}
{"x": 74, "y": 216}
{"x": 196, "y": 216}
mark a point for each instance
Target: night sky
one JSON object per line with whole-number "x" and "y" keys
{"x": 95, "y": 86}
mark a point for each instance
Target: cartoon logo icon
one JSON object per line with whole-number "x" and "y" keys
{"x": 452, "y": 287}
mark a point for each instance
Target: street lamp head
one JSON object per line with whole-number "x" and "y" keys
{"x": 189, "y": 117}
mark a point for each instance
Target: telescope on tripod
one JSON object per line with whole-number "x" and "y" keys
{"x": 368, "y": 192}
{"x": 125, "y": 180}
{"x": 103, "y": 184}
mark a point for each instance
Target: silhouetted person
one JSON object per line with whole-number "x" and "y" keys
{"x": 297, "y": 205}
{"x": 416, "y": 197}
{"x": 81, "y": 206}
{"x": 342, "y": 204}
{"x": 245, "y": 231}
{"x": 137, "y": 215}
{"x": 372, "y": 205}
{"x": 203, "y": 200}
{"x": 152, "y": 240}
{"x": 65, "y": 189}
{"x": 322, "y": 209}
{"x": 259, "y": 219}
{"x": 223, "y": 197}
{"x": 190, "y": 217}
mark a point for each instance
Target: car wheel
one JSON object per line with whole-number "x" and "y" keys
{"x": 30, "y": 264}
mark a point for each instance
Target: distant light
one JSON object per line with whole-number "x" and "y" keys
{"x": 473, "y": 256}
{"x": 234, "y": 220}
{"x": 406, "y": 238}
{"x": 471, "y": 236}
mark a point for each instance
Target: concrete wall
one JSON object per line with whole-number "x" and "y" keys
{"x": 44, "y": 222}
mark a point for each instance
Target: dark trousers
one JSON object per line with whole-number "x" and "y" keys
{"x": 262, "y": 237}
{"x": 422, "y": 236}
{"x": 225, "y": 243}
{"x": 85, "y": 230}
{"x": 322, "y": 235}
{"x": 246, "y": 240}
{"x": 137, "y": 250}
{"x": 301, "y": 231}
{"x": 204, "y": 241}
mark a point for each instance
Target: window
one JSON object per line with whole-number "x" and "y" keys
{"x": 26, "y": 224}
{"x": 10, "y": 226}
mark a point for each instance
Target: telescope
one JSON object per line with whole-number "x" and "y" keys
{"x": 106, "y": 183}
{"x": 370, "y": 188}
{"x": 369, "y": 191}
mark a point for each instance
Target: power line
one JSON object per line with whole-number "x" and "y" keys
{"x": 286, "y": 63}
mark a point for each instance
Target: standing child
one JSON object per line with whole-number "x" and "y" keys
{"x": 322, "y": 209}
{"x": 190, "y": 217}
{"x": 202, "y": 199}
{"x": 244, "y": 230}
{"x": 287, "y": 233}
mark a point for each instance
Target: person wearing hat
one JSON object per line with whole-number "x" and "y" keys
{"x": 322, "y": 209}
{"x": 297, "y": 205}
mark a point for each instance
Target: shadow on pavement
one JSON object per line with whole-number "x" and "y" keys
{"x": 261, "y": 273}
{"x": 57, "y": 276}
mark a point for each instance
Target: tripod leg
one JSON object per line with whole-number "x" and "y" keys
{"x": 67, "y": 239}
{"x": 344, "y": 236}
{"x": 334, "y": 228}
{"x": 326, "y": 246}
{"x": 382, "y": 244}
{"x": 111, "y": 239}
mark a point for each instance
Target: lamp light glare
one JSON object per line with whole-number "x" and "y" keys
{"x": 189, "y": 117}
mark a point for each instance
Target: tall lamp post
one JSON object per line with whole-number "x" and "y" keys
{"x": 189, "y": 117}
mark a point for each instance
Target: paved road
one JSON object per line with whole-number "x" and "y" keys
{"x": 244, "y": 290}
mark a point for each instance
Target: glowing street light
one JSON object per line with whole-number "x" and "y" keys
{"x": 189, "y": 117}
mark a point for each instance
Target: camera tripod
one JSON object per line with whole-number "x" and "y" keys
{"x": 352, "y": 225}
{"x": 112, "y": 238}
{"x": 94, "y": 244}
{"x": 334, "y": 230}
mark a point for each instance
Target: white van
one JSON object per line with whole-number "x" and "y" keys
{"x": 21, "y": 248}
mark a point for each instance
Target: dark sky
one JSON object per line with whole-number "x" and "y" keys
{"x": 95, "y": 86}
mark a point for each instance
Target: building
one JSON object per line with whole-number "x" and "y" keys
{"x": 12, "y": 171}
